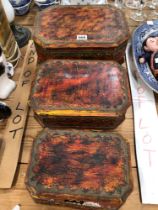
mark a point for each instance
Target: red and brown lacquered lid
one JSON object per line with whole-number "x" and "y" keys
{"x": 80, "y": 88}
{"x": 61, "y": 26}
{"x": 81, "y": 166}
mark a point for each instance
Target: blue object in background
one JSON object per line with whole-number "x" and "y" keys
{"x": 42, "y": 4}
{"x": 21, "y": 7}
{"x": 150, "y": 28}
{"x": 19, "y": 3}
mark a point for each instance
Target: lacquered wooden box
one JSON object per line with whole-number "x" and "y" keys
{"x": 81, "y": 32}
{"x": 79, "y": 93}
{"x": 83, "y": 169}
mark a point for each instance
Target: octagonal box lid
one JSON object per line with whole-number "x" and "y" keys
{"x": 79, "y": 93}
{"x": 80, "y": 168}
{"x": 81, "y": 32}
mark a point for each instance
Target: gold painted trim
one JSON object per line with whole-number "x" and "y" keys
{"x": 76, "y": 113}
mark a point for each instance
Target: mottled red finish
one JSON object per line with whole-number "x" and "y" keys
{"x": 57, "y": 28}
{"x": 93, "y": 85}
{"x": 99, "y": 88}
{"x": 80, "y": 166}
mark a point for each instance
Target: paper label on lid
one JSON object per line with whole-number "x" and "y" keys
{"x": 82, "y": 37}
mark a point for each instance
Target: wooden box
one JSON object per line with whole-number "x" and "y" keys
{"x": 78, "y": 93}
{"x": 86, "y": 170}
{"x": 81, "y": 32}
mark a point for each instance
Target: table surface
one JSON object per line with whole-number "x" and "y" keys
{"x": 18, "y": 193}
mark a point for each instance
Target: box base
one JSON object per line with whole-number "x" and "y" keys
{"x": 102, "y": 123}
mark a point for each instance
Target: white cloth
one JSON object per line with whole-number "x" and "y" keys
{"x": 9, "y": 10}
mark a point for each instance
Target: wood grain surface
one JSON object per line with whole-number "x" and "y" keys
{"x": 18, "y": 193}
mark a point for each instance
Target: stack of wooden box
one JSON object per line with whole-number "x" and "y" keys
{"x": 74, "y": 161}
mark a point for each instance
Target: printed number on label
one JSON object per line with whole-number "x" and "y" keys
{"x": 81, "y": 37}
